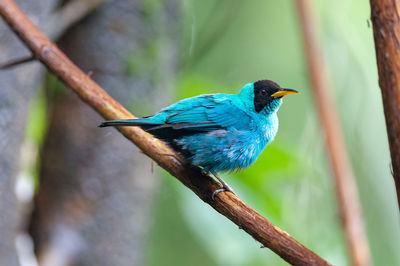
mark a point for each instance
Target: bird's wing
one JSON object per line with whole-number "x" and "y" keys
{"x": 191, "y": 116}
{"x": 205, "y": 113}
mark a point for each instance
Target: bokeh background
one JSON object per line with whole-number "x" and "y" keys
{"x": 163, "y": 51}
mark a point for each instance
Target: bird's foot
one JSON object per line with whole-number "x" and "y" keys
{"x": 225, "y": 187}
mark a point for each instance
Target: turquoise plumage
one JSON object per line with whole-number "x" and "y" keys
{"x": 218, "y": 132}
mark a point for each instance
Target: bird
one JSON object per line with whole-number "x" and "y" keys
{"x": 218, "y": 132}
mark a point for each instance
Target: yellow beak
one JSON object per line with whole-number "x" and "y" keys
{"x": 284, "y": 92}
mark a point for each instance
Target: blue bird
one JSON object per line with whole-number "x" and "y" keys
{"x": 218, "y": 132}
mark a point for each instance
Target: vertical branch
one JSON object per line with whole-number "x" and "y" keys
{"x": 346, "y": 190}
{"x": 385, "y": 16}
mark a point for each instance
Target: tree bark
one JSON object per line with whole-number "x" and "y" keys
{"x": 385, "y": 16}
{"x": 17, "y": 87}
{"x": 96, "y": 190}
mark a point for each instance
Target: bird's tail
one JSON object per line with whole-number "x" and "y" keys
{"x": 126, "y": 122}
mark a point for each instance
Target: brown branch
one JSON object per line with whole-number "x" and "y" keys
{"x": 16, "y": 62}
{"x": 385, "y": 16}
{"x": 203, "y": 185}
{"x": 345, "y": 185}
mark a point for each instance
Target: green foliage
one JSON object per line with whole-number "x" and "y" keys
{"x": 191, "y": 85}
{"x": 37, "y": 119}
{"x": 140, "y": 61}
{"x": 36, "y": 128}
{"x": 150, "y": 8}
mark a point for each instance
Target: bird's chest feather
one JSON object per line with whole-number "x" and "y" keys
{"x": 229, "y": 149}
{"x": 270, "y": 127}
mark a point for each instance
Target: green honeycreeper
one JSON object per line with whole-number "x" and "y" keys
{"x": 218, "y": 132}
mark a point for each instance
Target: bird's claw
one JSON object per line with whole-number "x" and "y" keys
{"x": 223, "y": 189}
{"x": 217, "y": 191}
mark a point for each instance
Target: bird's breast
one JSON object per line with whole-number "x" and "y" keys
{"x": 267, "y": 128}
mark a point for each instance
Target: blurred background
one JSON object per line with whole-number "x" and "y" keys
{"x": 79, "y": 195}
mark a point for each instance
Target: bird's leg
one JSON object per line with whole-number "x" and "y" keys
{"x": 225, "y": 186}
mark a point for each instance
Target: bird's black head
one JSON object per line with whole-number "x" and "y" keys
{"x": 268, "y": 93}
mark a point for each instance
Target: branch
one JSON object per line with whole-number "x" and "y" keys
{"x": 15, "y": 62}
{"x": 385, "y": 16}
{"x": 345, "y": 185}
{"x": 203, "y": 185}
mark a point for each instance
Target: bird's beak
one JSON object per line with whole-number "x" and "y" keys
{"x": 284, "y": 92}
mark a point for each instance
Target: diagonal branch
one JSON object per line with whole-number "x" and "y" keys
{"x": 203, "y": 185}
{"x": 345, "y": 186}
{"x": 16, "y": 62}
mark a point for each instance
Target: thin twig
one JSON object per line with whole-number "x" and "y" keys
{"x": 15, "y": 62}
{"x": 203, "y": 185}
{"x": 346, "y": 189}
{"x": 385, "y": 16}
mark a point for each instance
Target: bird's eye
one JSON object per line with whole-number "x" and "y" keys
{"x": 263, "y": 92}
